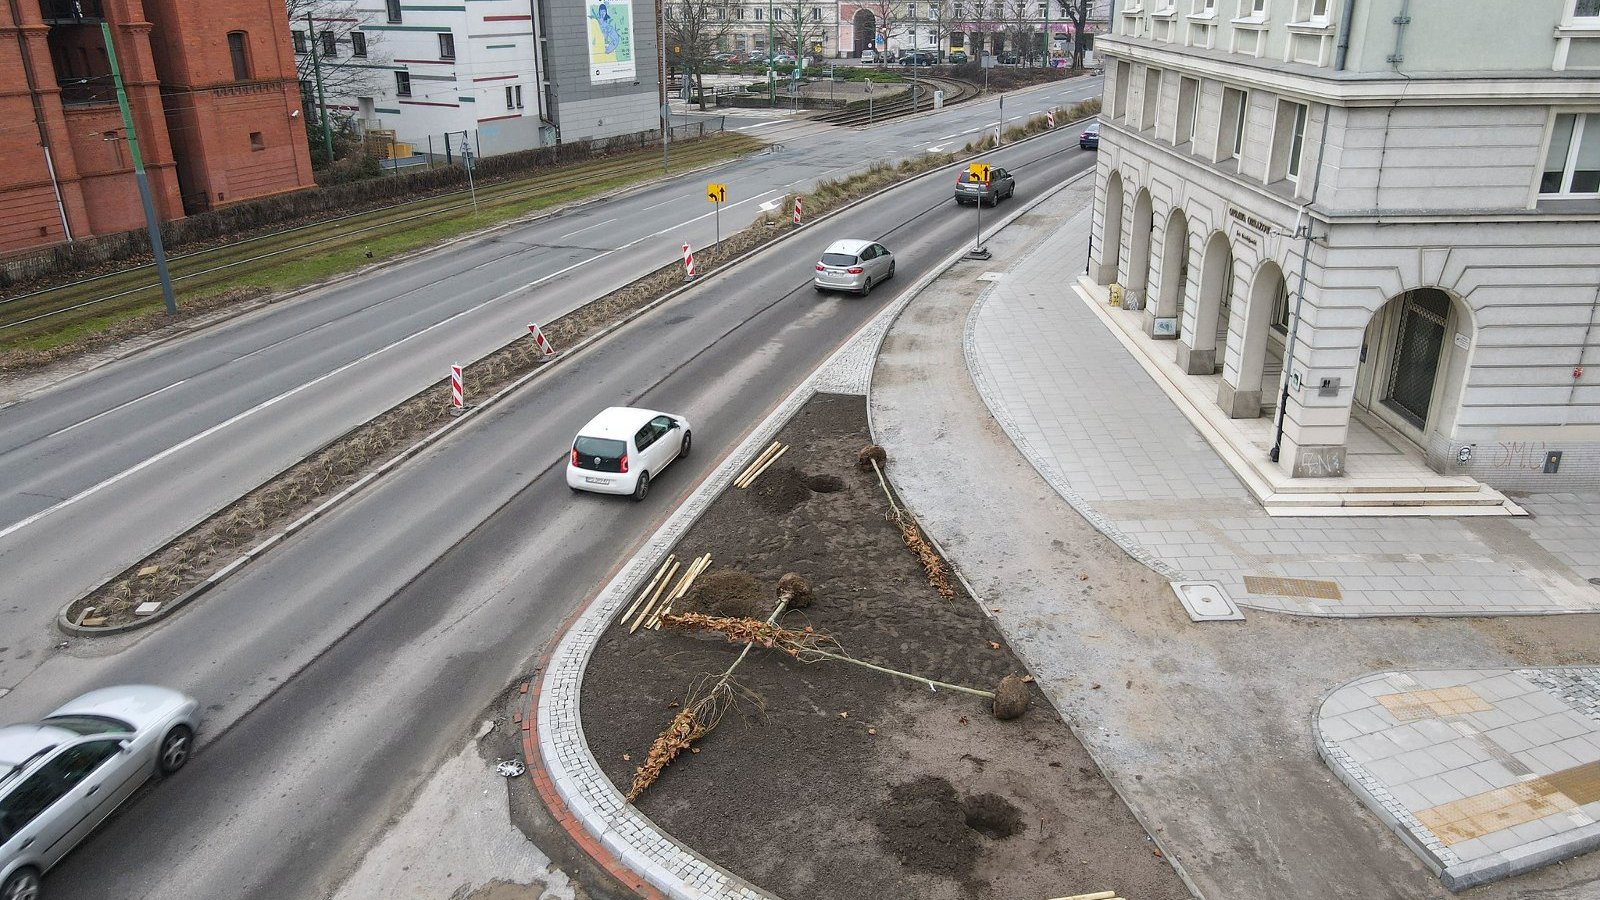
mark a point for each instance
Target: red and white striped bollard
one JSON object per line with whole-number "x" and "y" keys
{"x": 1050, "y": 118}
{"x": 457, "y": 394}
{"x": 688, "y": 263}
{"x": 540, "y": 341}
{"x": 797, "y": 209}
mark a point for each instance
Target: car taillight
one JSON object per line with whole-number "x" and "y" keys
{"x": 820, "y": 267}
{"x": 854, "y": 270}
{"x": 624, "y": 463}
{"x": 574, "y": 455}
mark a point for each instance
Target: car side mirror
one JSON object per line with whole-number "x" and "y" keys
{"x": 675, "y": 424}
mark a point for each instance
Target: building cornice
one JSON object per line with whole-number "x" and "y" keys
{"x": 1356, "y": 89}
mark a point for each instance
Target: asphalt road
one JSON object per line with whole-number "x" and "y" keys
{"x": 342, "y": 668}
{"x": 99, "y": 470}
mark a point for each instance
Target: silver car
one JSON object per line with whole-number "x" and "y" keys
{"x": 853, "y": 265}
{"x": 62, "y": 776}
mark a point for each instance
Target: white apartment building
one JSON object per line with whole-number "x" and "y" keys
{"x": 1401, "y": 197}
{"x": 748, "y": 30}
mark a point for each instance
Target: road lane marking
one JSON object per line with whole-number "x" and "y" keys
{"x": 937, "y": 148}
{"x": 664, "y": 203}
{"x": 582, "y": 230}
{"x": 690, "y": 221}
{"x": 241, "y": 416}
{"x": 757, "y": 125}
{"x": 113, "y": 409}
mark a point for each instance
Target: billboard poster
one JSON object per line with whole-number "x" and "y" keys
{"x": 610, "y": 40}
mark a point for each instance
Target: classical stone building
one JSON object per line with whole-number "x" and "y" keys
{"x": 1400, "y": 199}
{"x": 213, "y": 97}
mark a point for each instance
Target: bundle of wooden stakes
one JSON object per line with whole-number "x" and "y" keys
{"x": 656, "y": 599}
{"x": 760, "y": 464}
{"x": 1098, "y": 895}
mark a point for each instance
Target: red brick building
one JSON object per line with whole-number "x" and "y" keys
{"x": 214, "y": 97}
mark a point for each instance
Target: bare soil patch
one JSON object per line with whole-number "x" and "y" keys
{"x": 834, "y": 782}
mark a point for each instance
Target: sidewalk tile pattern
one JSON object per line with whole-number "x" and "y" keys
{"x": 1483, "y": 773}
{"x": 1108, "y": 439}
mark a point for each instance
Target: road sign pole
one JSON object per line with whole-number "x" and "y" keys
{"x": 719, "y": 223}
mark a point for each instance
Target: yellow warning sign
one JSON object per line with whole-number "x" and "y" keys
{"x": 717, "y": 193}
{"x": 978, "y": 172}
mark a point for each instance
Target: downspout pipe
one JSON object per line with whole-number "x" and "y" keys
{"x": 1300, "y": 295}
{"x": 1346, "y": 17}
{"x": 38, "y": 116}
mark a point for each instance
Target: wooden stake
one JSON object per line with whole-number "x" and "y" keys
{"x": 677, "y": 593}
{"x": 764, "y": 466}
{"x": 1099, "y": 895}
{"x": 760, "y": 457}
{"x": 647, "y": 588}
{"x": 652, "y": 602}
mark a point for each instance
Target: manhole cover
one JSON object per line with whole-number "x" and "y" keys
{"x": 1205, "y": 601}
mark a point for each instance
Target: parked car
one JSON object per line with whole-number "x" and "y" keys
{"x": 1090, "y": 139}
{"x": 999, "y": 186}
{"x": 623, "y": 447}
{"x": 917, "y": 58}
{"x": 782, "y": 61}
{"x": 63, "y": 775}
{"x": 958, "y": 57}
{"x": 725, "y": 59}
{"x": 1010, "y": 59}
{"x": 869, "y": 55}
{"x": 853, "y": 265}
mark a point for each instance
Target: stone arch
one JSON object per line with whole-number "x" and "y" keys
{"x": 1174, "y": 269}
{"x": 1139, "y": 231}
{"x": 1111, "y": 230}
{"x": 865, "y": 27}
{"x": 1246, "y": 387}
{"x": 1414, "y": 363}
{"x": 1197, "y": 351}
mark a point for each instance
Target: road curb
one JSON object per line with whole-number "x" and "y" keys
{"x": 66, "y": 625}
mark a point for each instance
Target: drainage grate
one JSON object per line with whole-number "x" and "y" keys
{"x": 1292, "y": 587}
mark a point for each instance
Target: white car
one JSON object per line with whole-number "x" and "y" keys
{"x": 869, "y": 55}
{"x": 61, "y": 776}
{"x": 623, "y": 447}
{"x": 853, "y": 265}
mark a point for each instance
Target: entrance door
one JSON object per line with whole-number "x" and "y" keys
{"x": 1418, "y": 343}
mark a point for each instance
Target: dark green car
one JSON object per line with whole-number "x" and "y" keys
{"x": 958, "y": 57}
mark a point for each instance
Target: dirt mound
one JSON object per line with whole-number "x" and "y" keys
{"x": 992, "y": 815}
{"x": 924, "y": 825}
{"x": 725, "y": 592}
{"x": 825, "y": 484}
{"x": 780, "y": 490}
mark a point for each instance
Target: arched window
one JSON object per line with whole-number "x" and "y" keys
{"x": 240, "y": 52}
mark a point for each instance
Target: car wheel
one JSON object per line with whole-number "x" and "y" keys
{"x": 688, "y": 438}
{"x": 22, "y": 885}
{"x": 175, "y": 749}
{"x": 866, "y": 287}
{"x": 891, "y": 269}
{"x": 642, "y": 489}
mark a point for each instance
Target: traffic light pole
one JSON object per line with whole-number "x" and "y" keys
{"x": 151, "y": 225}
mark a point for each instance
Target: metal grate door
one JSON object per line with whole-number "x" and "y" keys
{"x": 1419, "y": 339}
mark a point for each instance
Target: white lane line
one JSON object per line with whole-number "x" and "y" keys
{"x": 949, "y": 137}
{"x": 114, "y": 409}
{"x": 582, "y": 230}
{"x": 937, "y": 148}
{"x": 293, "y": 337}
{"x": 663, "y": 203}
{"x": 239, "y": 417}
{"x": 683, "y": 224}
{"x": 757, "y": 125}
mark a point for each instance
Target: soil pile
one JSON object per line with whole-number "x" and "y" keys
{"x": 779, "y": 491}
{"x": 726, "y": 592}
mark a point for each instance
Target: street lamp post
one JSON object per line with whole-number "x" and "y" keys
{"x": 772, "y": 78}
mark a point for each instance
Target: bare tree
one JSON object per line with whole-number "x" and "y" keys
{"x": 349, "y": 61}
{"x": 938, "y": 18}
{"x": 800, "y": 26}
{"x": 695, "y": 29}
{"x": 889, "y": 19}
{"x": 1077, "y": 12}
{"x": 1019, "y": 25}
{"x": 979, "y": 16}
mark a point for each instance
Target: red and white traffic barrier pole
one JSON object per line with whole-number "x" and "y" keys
{"x": 797, "y": 209}
{"x": 1050, "y": 118}
{"x": 540, "y": 341}
{"x": 688, "y": 263}
{"x": 457, "y": 394}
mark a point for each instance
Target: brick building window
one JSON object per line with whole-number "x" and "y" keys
{"x": 330, "y": 44}
{"x": 447, "y": 46}
{"x": 299, "y": 38}
{"x": 256, "y": 141}
{"x": 358, "y": 44}
{"x": 394, "y": 9}
{"x": 402, "y": 84}
{"x": 240, "y": 53}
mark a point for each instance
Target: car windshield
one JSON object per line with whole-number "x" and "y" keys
{"x": 90, "y": 724}
{"x": 838, "y": 259}
{"x": 604, "y": 448}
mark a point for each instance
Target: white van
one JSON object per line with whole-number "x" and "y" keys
{"x": 623, "y": 447}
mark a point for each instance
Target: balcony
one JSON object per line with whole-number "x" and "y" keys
{"x": 71, "y": 12}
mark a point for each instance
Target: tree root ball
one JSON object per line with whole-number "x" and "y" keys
{"x": 871, "y": 453}
{"x": 798, "y": 589}
{"x": 1010, "y": 698}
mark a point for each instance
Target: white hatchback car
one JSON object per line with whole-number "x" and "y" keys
{"x": 63, "y": 775}
{"x": 622, "y": 448}
{"x": 853, "y": 265}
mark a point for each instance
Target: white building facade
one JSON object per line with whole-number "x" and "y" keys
{"x": 1404, "y": 206}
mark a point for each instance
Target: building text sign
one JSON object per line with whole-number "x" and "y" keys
{"x": 1249, "y": 221}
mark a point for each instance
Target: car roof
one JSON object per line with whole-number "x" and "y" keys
{"x": 618, "y": 422}
{"x": 852, "y": 246}
{"x": 19, "y": 743}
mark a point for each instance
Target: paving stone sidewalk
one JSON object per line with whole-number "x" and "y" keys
{"x": 1109, "y": 439}
{"x": 1483, "y": 773}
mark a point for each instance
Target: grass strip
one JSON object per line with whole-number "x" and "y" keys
{"x": 184, "y": 563}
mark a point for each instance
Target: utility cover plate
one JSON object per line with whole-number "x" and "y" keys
{"x": 1206, "y": 601}
{"x": 147, "y": 608}
{"x": 991, "y": 276}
